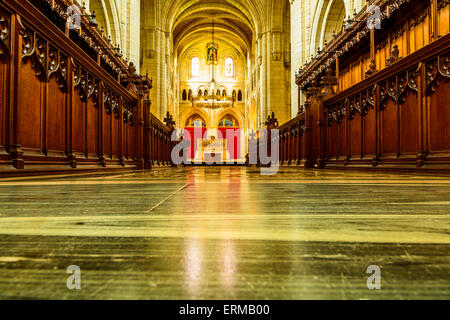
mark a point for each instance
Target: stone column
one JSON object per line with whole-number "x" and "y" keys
{"x": 133, "y": 40}
{"x": 262, "y": 63}
{"x": 150, "y": 62}
{"x": 296, "y": 51}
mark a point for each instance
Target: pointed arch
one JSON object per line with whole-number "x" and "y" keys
{"x": 184, "y": 116}
{"x": 107, "y": 12}
{"x": 328, "y": 18}
{"x": 232, "y": 112}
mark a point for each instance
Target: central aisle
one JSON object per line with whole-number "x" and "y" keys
{"x": 225, "y": 233}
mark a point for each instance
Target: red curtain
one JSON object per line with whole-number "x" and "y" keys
{"x": 233, "y": 137}
{"x": 192, "y": 135}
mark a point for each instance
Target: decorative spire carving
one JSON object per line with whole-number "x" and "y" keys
{"x": 169, "y": 121}
{"x": 372, "y": 68}
{"x": 271, "y": 122}
{"x": 329, "y": 80}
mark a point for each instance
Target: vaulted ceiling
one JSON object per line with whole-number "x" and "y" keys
{"x": 235, "y": 23}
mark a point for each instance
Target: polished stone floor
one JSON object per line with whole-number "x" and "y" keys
{"x": 226, "y": 233}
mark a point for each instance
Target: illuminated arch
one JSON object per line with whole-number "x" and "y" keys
{"x": 328, "y": 19}
{"x": 237, "y": 115}
{"x": 228, "y": 121}
{"x": 195, "y": 67}
{"x": 184, "y": 116}
{"x": 107, "y": 15}
{"x": 195, "y": 121}
{"x": 229, "y": 67}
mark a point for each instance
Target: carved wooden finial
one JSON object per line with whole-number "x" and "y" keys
{"x": 131, "y": 69}
{"x": 394, "y": 56}
{"x": 169, "y": 121}
{"x": 271, "y": 122}
{"x": 329, "y": 80}
{"x": 372, "y": 68}
{"x": 395, "y": 51}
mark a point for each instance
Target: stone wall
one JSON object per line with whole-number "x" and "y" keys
{"x": 312, "y": 23}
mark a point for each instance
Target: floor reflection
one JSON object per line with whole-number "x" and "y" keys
{"x": 226, "y": 233}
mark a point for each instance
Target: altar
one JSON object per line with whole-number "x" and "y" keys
{"x": 213, "y": 150}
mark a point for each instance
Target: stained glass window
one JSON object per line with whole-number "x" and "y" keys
{"x": 228, "y": 122}
{"x": 195, "y": 67}
{"x": 195, "y": 122}
{"x": 229, "y": 67}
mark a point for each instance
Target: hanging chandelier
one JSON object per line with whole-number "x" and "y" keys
{"x": 212, "y": 94}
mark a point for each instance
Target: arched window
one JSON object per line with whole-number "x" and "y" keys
{"x": 234, "y": 94}
{"x": 184, "y": 96}
{"x": 224, "y": 93}
{"x": 198, "y": 124}
{"x": 195, "y": 67}
{"x": 229, "y": 67}
{"x": 190, "y": 94}
{"x": 228, "y": 122}
{"x": 195, "y": 121}
{"x": 239, "y": 95}
{"x": 200, "y": 92}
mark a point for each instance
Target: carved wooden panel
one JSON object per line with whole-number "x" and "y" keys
{"x": 93, "y": 92}
{"x": 332, "y": 140}
{"x": 437, "y": 70}
{"x": 79, "y": 115}
{"x": 106, "y": 133}
{"x": 55, "y": 117}
{"x": 409, "y": 112}
{"x": 370, "y": 132}
{"x": 92, "y": 128}
{"x": 4, "y": 102}
{"x": 5, "y": 34}
{"x": 5, "y": 46}
{"x": 30, "y": 98}
{"x": 115, "y": 126}
{"x": 65, "y": 109}
{"x": 398, "y": 87}
{"x": 437, "y": 84}
{"x": 444, "y": 17}
{"x": 397, "y": 116}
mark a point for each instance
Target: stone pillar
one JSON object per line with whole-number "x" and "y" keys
{"x": 296, "y": 51}
{"x": 277, "y": 81}
{"x": 161, "y": 57}
{"x": 261, "y": 62}
{"x": 133, "y": 39}
{"x": 265, "y": 76}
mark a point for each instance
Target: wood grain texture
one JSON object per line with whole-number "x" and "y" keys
{"x": 396, "y": 117}
{"x": 64, "y": 103}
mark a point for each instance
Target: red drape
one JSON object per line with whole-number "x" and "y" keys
{"x": 233, "y": 137}
{"x": 192, "y": 135}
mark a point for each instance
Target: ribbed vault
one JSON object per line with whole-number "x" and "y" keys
{"x": 191, "y": 21}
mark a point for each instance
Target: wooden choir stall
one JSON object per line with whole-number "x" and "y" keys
{"x": 377, "y": 98}
{"x": 68, "y": 100}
